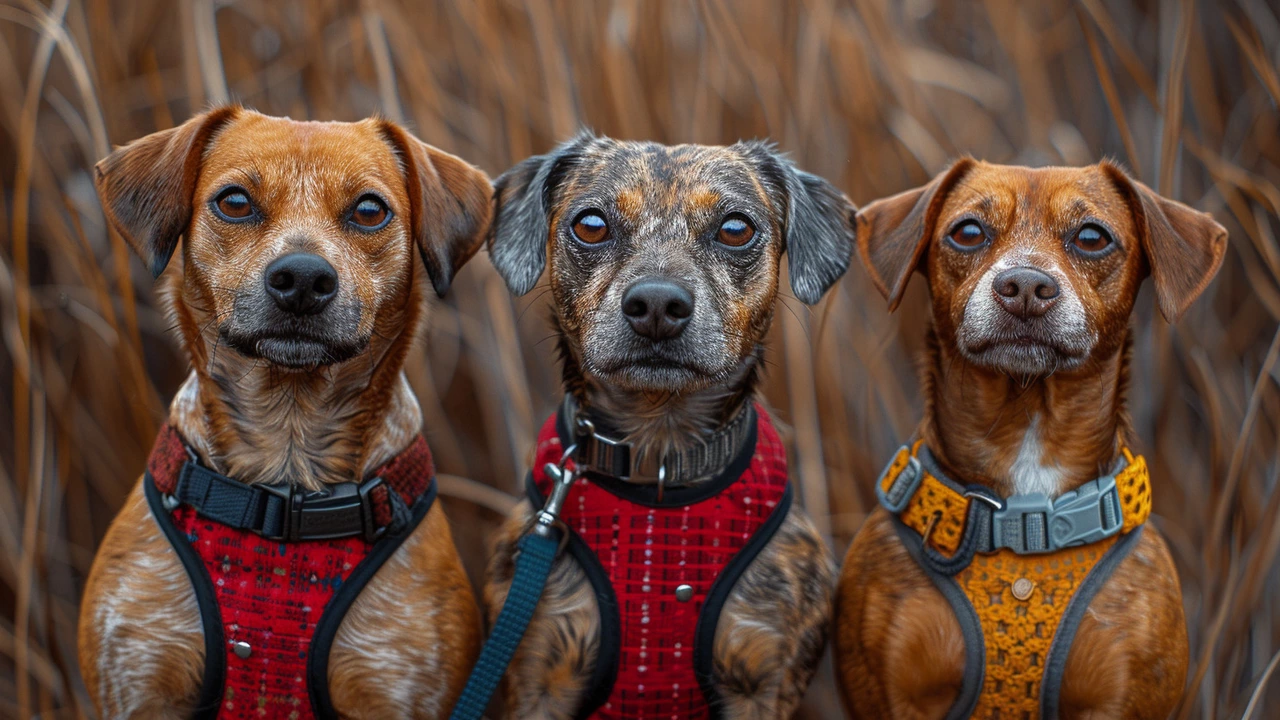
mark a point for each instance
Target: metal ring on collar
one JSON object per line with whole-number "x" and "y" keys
{"x": 994, "y": 502}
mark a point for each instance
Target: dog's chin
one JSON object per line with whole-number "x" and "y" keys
{"x": 656, "y": 374}
{"x": 295, "y": 352}
{"x": 1023, "y": 357}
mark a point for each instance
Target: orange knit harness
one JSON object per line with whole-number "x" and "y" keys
{"x": 1019, "y": 607}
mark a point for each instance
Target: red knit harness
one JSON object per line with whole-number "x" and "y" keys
{"x": 655, "y": 651}
{"x": 273, "y": 606}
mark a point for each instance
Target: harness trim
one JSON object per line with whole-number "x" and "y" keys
{"x": 334, "y": 612}
{"x": 709, "y": 618}
{"x": 1055, "y": 664}
{"x": 213, "y": 680}
{"x": 975, "y": 663}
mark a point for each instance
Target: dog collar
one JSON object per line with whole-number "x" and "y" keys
{"x": 286, "y": 512}
{"x": 594, "y": 450}
{"x": 955, "y": 521}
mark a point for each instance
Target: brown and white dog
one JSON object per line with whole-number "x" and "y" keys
{"x": 299, "y": 384}
{"x": 1033, "y": 274}
{"x": 664, "y": 272}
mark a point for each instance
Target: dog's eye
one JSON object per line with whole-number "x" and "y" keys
{"x": 591, "y": 228}
{"x": 370, "y": 213}
{"x": 1091, "y": 240}
{"x": 968, "y": 235}
{"x": 735, "y": 231}
{"x": 233, "y": 205}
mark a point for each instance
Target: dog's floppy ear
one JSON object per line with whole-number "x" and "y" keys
{"x": 146, "y": 187}
{"x": 818, "y": 229}
{"x": 521, "y": 220}
{"x": 448, "y": 201}
{"x": 1183, "y": 246}
{"x": 893, "y": 232}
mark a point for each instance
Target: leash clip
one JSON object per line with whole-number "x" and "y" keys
{"x": 548, "y": 521}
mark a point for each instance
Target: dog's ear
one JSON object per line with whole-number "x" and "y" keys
{"x": 1183, "y": 246}
{"x": 146, "y": 187}
{"x": 818, "y": 230}
{"x": 448, "y": 201}
{"x": 893, "y": 232}
{"x": 521, "y": 220}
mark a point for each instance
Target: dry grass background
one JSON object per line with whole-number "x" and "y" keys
{"x": 873, "y": 94}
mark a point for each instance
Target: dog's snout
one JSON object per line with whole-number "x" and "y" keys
{"x": 657, "y": 308}
{"x": 301, "y": 283}
{"x": 1025, "y": 291}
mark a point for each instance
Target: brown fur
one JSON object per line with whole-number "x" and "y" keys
{"x": 665, "y": 205}
{"x": 141, "y": 648}
{"x": 899, "y": 647}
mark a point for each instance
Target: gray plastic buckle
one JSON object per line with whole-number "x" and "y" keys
{"x": 904, "y": 487}
{"x": 1033, "y": 523}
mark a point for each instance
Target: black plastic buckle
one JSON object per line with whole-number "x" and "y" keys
{"x": 339, "y": 511}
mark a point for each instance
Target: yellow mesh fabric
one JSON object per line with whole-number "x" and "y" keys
{"x": 1019, "y": 599}
{"x": 933, "y": 499}
{"x": 1134, "y": 485}
{"x": 1018, "y": 632}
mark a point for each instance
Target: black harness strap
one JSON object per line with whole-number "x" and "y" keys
{"x": 340, "y": 603}
{"x": 285, "y": 512}
{"x": 709, "y": 618}
{"x": 215, "y": 654}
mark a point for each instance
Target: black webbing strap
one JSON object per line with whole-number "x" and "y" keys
{"x": 285, "y": 512}
{"x": 232, "y": 503}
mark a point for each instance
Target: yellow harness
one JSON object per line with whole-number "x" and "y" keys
{"x": 1019, "y": 572}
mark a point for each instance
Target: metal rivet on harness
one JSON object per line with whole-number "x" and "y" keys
{"x": 242, "y": 650}
{"x": 1022, "y": 588}
{"x": 684, "y": 593}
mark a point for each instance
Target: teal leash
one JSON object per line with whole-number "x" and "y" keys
{"x": 537, "y": 553}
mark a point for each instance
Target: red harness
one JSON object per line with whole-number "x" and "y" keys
{"x": 655, "y": 645}
{"x": 269, "y": 607}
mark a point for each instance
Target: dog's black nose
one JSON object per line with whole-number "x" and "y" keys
{"x": 657, "y": 308}
{"x": 301, "y": 283}
{"x": 1025, "y": 291}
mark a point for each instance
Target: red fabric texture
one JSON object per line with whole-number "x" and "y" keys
{"x": 272, "y": 594}
{"x": 648, "y": 552}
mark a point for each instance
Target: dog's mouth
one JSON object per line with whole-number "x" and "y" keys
{"x": 655, "y": 370}
{"x": 295, "y": 351}
{"x": 1025, "y": 352}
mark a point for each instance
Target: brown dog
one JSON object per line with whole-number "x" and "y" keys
{"x": 664, "y": 269}
{"x": 1033, "y": 274}
{"x": 297, "y": 296}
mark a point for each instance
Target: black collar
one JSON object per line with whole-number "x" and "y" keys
{"x": 719, "y": 477}
{"x": 604, "y": 455}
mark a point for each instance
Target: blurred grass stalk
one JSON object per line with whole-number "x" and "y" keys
{"x": 875, "y": 95}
